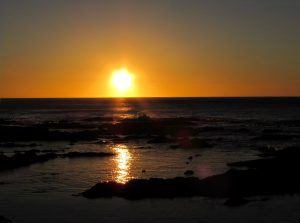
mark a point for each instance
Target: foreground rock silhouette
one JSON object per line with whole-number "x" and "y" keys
{"x": 5, "y": 220}
{"x": 270, "y": 176}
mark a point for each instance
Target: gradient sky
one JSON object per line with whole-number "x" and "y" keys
{"x": 64, "y": 48}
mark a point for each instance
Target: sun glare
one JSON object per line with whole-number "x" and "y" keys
{"x": 122, "y": 80}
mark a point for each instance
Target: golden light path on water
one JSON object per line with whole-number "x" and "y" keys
{"x": 123, "y": 163}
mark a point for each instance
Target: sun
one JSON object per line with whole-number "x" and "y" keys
{"x": 122, "y": 80}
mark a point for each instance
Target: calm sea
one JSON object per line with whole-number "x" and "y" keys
{"x": 230, "y": 124}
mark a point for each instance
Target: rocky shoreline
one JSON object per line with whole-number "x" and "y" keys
{"x": 274, "y": 175}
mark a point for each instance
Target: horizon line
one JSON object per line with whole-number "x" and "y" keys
{"x": 155, "y": 97}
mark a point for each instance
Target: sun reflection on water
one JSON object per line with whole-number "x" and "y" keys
{"x": 123, "y": 163}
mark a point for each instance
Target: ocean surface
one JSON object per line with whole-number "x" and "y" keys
{"x": 234, "y": 127}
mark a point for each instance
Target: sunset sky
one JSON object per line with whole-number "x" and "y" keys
{"x": 64, "y": 48}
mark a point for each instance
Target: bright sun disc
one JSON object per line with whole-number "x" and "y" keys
{"x": 122, "y": 80}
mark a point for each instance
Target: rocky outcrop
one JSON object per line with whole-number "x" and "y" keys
{"x": 276, "y": 175}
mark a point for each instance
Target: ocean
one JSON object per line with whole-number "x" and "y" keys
{"x": 231, "y": 129}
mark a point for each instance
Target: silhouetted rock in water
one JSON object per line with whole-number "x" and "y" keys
{"x": 191, "y": 143}
{"x": 52, "y": 150}
{"x": 66, "y": 124}
{"x": 41, "y": 133}
{"x": 236, "y": 201}
{"x": 160, "y": 139}
{"x": 277, "y": 175}
{"x": 28, "y": 151}
{"x": 27, "y": 158}
{"x": 86, "y": 154}
{"x": 143, "y": 171}
{"x": 11, "y": 145}
{"x": 211, "y": 129}
{"x": 40, "y": 151}
{"x": 139, "y": 188}
{"x": 144, "y": 126}
{"x": 274, "y": 137}
{"x": 136, "y": 128}
{"x": 288, "y": 158}
{"x": 5, "y": 220}
{"x": 189, "y": 173}
{"x": 23, "y": 159}
{"x": 99, "y": 119}
{"x": 266, "y": 151}
{"x": 143, "y": 147}
{"x": 197, "y": 155}
{"x": 2, "y": 183}
{"x": 190, "y": 157}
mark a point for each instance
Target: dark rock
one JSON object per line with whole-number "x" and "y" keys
{"x": 28, "y": 151}
{"x": 189, "y": 173}
{"x": 99, "y": 119}
{"x": 24, "y": 159}
{"x": 51, "y": 150}
{"x": 143, "y": 171}
{"x": 160, "y": 139}
{"x": 11, "y": 145}
{"x": 272, "y": 176}
{"x": 143, "y": 147}
{"x": 273, "y": 137}
{"x": 42, "y": 133}
{"x": 139, "y": 188}
{"x": 211, "y": 129}
{"x": 5, "y": 220}
{"x": 144, "y": 125}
